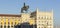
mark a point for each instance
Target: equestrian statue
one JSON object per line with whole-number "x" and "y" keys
{"x": 24, "y": 8}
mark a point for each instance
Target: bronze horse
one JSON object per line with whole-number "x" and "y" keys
{"x": 24, "y": 8}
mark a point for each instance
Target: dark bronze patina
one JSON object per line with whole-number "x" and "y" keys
{"x": 24, "y": 8}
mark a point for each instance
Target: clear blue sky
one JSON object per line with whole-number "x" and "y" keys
{"x": 13, "y": 7}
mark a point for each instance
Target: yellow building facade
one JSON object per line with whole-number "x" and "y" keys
{"x": 36, "y": 19}
{"x": 41, "y": 19}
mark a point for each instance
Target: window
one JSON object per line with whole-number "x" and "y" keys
{"x": 1, "y": 26}
{"x": 39, "y": 24}
{"x": 12, "y": 23}
{"x": 8, "y": 26}
{"x": 39, "y": 27}
{"x": 15, "y": 22}
{"x": 42, "y": 21}
{"x": 5, "y": 26}
{"x": 41, "y": 17}
{"x": 11, "y": 26}
{"x": 44, "y": 27}
{"x": 47, "y": 23}
{"x": 39, "y": 21}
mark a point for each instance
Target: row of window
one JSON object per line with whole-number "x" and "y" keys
{"x": 45, "y": 21}
{"x": 5, "y": 26}
{"x": 8, "y": 23}
{"x": 45, "y": 27}
{"x": 45, "y": 24}
{"x": 45, "y": 17}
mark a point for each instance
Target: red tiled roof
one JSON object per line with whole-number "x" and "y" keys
{"x": 12, "y": 15}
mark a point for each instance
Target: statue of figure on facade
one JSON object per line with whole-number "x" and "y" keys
{"x": 24, "y": 8}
